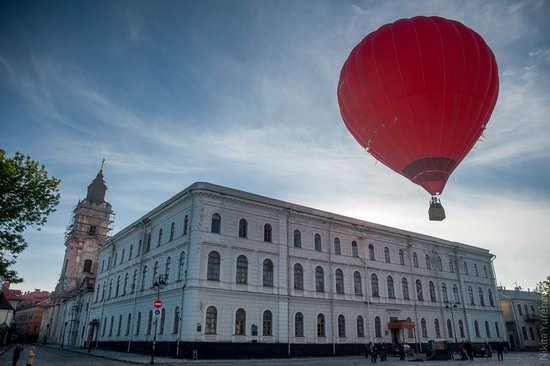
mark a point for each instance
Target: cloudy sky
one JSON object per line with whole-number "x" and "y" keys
{"x": 243, "y": 94}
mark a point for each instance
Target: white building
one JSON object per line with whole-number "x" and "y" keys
{"x": 251, "y": 276}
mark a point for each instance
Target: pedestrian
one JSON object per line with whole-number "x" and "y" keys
{"x": 470, "y": 350}
{"x": 31, "y": 356}
{"x": 374, "y": 353}
{"x": 401, "y": 351}
{"x": 450, "y": 351}
{"x": 383, "y": 351}
{"x": 17, "y": 353}
{"x": 488, "y": 350}
{"x": 367, "y": 350}
{"x": 499, "y": 351}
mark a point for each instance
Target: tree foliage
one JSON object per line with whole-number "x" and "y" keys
{"x": 27, "y": 197}
{"x": 543, "y": 288}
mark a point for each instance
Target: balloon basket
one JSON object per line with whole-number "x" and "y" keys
{"x": 436, "y": 211}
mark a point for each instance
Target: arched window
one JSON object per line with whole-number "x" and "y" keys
{"x": 98, "y": 291}
{"x": 391, "y": 289}
{"x": 497, "y": 329}
{"x": 134, "y": 280}
{"x": 461, "y": 328}
{"x": 401, "y": 257}
{"x": 176, "y": 320}
{"x": 298, "y": 277}
{"x": 138, "y": 323}
{"x": 439, "y": 264}
{"x": 319, "y": 280}
{"x": 444, "y": 292}
{"x": 488, "y": 331}
{"x": 424, "y": 328}
{"x": 125, "y": 284}
{"x": 297, "y": 239}
{"x": 405, "y": 288}
{"x": 172, "y": 227}
{"x": 268, "y": 233}
{"x": 149, "y": 322}
{"x": 213, "y": 272}
{"x": 216, "y": 223}
{"x": 455, "y": 294}
{"x": 387, "y": 254}
{"x": 160, "y": 238}
{"x": 432, "y": 291}
{"x": 299, "y": 325}
{"x": 491, "y": 299}
{"x": 211, "y": 320}
{"x": 268, "y": 273}
{"x": 428, "y": 262}
{"x": 167, "y": 268}
{"x": 162, "y": 320}
{"x": 339, "y": 281}
{"x": 371, "y": 252}
{"x": 451, "y": 266}
{"x": 374, "y": 285}
{"x": 240, "y": 322}
{"x": 155, "y": 273}
{"x": 360, "y": 327}
{"x": 419, "y": 294}
{"x": 215, "y": 217}
{"x": 243, "y": 228}
{"x": 377, "y": 327}
{"x": 337, "y": 249}
{"x": 148, "y": 247}
{"x": 267, "y": 321}
{"x": 87, "y": 266}
{"x": 485, "y": 272}
{"x": 449, "y": 328}
{"x": 437, "y": 329}
{"x": 341, "y": 326}
{"x": 110, "y": 289}
{"x": 410, "y": 332}
{"x": 181, "y": 267}
{"x": 320, "y": 325}
{"x": 415, "y": 260}
{"x": 465, "y": 268}
{"x": 130, "y": 252}
{"x": 117, "y": 286}
{"x": 357, "y": 285}
{"x": 475, "y": 270}
{"x": 476, "y": 328}
{"x": 114, "y": 262}
{"x": 119, "y": 328}
{"x": 354, "y": 250}
{"x": 481, "y": 298}
{"x": 471, "y": 295}
{"x": 103, "y": 291}
{"x": 242, "y": 270}
{"x": 318, "y": 246}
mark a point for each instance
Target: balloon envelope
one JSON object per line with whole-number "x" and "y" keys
{"x": 417, "y": 94}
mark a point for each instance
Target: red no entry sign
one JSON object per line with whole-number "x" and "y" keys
{"x": 157, "y": 304}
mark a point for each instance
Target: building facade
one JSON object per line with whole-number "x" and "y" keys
{"x": 29, "y": 313}
{"x": 522, "y": 317}
{"x": 251, "y": 276}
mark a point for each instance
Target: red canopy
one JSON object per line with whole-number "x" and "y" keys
{"x": 417, "y": 94}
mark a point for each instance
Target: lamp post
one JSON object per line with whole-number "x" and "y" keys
{"x": 451, "y": 307}
{"x": 159, "y": 284}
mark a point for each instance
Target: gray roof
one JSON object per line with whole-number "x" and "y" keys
{"x": 519, "y": 295}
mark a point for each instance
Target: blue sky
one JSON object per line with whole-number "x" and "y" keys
{"x": 243, "y": 94}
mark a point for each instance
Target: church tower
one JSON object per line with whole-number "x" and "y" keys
{"x": 90, "y": 226}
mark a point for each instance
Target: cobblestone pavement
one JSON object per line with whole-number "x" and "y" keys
{"x": 54, "y": 356}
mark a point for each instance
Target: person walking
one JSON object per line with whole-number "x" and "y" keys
{"x": 367, "y": 350}
{"x": 401, "y": 351}
{"x": 500, "y": 351}
{"x": 31, "y": 356}
{"x": 16, "y": 353}
{"x": 383, "y": 351}
{"x": 469, "y": 350}
{"x": 374, "y": 353}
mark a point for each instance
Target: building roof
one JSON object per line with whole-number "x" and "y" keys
{"x": 10, "y": 295}
{"x": 225, "y": 191}
{"x": 518, "y": 295}
{"x": 4, "y": 303}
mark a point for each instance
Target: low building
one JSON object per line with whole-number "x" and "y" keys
{"x": 29, "y": 312}
{"x": 521, "y": 313}
{"x": 242, "y": 275}
{"x": 9, "y": 299}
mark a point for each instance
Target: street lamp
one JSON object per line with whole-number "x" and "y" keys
{"x": 451, "y": 307}
{"x": 159, "y": 284}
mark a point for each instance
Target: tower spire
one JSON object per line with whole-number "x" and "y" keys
{"x": 102, "y": 162}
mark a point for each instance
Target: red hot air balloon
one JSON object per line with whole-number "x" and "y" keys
{"x": 417, "y": 94}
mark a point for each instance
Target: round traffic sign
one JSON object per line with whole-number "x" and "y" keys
{"x": 157, "y": 312}
{"x": 157, "y": 304}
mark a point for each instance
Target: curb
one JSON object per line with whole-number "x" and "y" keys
{"x": 96, "y": 355}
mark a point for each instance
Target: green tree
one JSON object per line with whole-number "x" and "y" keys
{"x": 27, "y": 197}
{"x": 543, "y": 288}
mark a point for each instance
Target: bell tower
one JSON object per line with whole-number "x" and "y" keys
{"x": 90, "y": 225}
